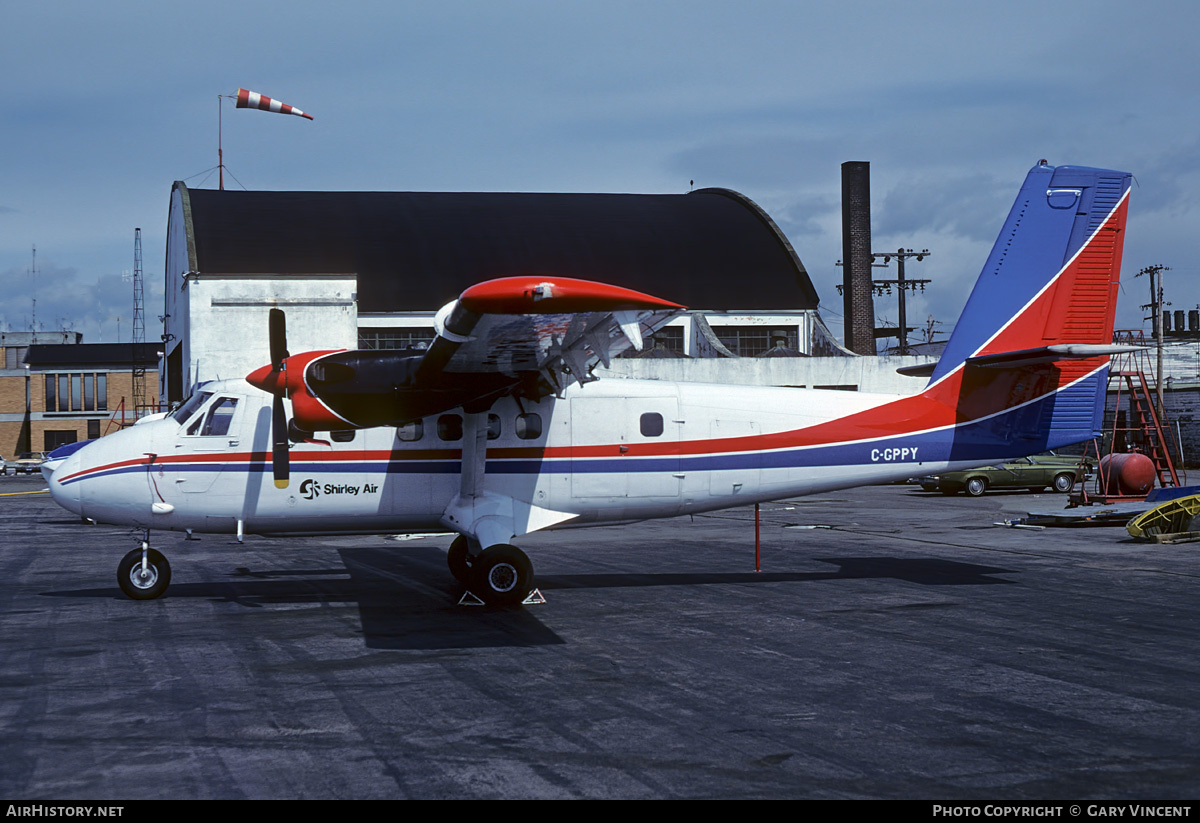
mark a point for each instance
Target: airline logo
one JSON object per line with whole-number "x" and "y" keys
{"x": 312, "y": 489}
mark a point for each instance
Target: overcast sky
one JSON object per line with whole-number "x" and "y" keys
{"x": 104, "y": 105}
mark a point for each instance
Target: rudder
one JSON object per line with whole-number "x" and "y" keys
{"x": 1053, "y": 272}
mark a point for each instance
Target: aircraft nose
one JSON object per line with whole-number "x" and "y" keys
{"x": 65, "y": 492}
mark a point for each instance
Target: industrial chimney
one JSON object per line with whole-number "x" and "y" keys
{"x": 857, "y": 304}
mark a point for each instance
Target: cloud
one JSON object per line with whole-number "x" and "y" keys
{"x": 965, "y": 205}
{"x": 809, "y": 216}
{"x": 99, "y": 307}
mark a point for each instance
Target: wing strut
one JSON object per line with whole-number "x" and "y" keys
{"x": 486, "y": 517}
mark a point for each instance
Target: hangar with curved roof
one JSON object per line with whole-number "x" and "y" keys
{"x": 364, "y": 269}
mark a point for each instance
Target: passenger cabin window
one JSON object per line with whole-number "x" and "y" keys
{"x": 493, "y": 426}
{"x": 343, "y": 436}
{"x": 529, "y": 426}
{"x": 652, "y": 424}
{"x": 411, "y": 431}
{"x": 450, "y": 427}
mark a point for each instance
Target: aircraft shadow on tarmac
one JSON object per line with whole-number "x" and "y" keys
{"x": 407, "y": 600}
{"x": 925, "y": 571}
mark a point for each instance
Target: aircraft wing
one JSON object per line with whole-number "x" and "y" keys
{"x": 558, "y": 327}
{"x": 531, "y": 336}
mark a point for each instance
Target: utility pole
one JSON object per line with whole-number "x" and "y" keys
{"x": 901, "y": 284}
{"x": 1156, "y": 306}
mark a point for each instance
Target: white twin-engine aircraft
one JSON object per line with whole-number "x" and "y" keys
{"x": 500, "y": 429}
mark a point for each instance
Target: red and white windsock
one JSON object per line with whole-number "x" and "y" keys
{"x": 253, "y": 100}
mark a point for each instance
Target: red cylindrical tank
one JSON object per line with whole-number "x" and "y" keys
{"x": 1131, "y": 473}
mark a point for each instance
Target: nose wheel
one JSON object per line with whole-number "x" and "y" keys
{"x": 143, "y": 574}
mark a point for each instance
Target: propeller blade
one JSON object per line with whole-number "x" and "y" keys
{"x": 277, "y": 327}
{"x": 280, "y": 467}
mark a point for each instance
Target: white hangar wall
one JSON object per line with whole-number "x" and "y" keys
{"x": 216, "y": 324}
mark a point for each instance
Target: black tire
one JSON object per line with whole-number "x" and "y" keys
{"x": 156, "y": 580}
{"x": 976, "y": 486}
{"x": 1064, "y": 482}
{"x": 501, "y": 575}
{"x": 459, "y": 560}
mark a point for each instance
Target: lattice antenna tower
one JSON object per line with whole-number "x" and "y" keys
{"x": 139, "y": 327}
{"x": 33, "y": 278}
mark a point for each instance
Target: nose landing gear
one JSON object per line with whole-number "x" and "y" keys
{"x": 144, "y": 573}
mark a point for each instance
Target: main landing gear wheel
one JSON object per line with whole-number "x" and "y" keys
{"x": 459, "y": 560}
{"x": 501, "y": 575}
{"x": 147, "y": 583}
{"x": 1063, "y": 482}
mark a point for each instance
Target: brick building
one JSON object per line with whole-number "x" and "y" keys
{"x": 56, "y": 390}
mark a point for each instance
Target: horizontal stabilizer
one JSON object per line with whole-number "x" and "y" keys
{"x": 923, "y": 370}
{"x": 1049, "y": 354}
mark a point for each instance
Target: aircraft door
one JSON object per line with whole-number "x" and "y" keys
{"x": 204, "y": 447}
{"x": 625, "y": 447}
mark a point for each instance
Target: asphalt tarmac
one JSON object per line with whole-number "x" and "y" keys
{"x": 896, "y": 644}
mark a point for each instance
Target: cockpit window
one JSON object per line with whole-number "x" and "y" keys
{"x": 216, "y": 422}
{"x": 189, "y": 407}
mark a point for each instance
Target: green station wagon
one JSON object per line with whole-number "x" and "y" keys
{"x": 1054, "y": 471}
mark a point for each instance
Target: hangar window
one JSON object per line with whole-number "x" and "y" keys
{"x": 450, "y": 427}
{"x": 411, "y": 431}
{"x": 751, "y": 341}
{"x": 529, "y": 426}
{"x": 399, "y": 337}
{"x": 667, "y": 341}
{"x": 652, "y": 424}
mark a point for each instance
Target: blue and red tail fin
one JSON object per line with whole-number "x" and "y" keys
{"x": 1027, "y": 364}
{"x": 1052, "y": 276}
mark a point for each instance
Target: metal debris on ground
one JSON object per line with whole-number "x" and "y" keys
{"x": 1170, "y": 522}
